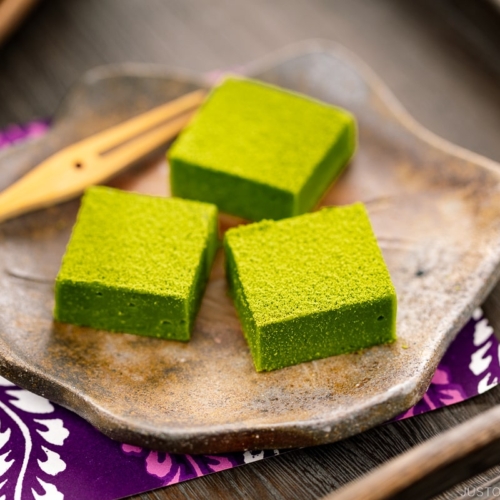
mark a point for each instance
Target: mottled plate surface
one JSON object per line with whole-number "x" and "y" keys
{"x": 435, "y": 209}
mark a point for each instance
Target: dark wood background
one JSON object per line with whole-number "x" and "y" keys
{"x": 441, "y": 59}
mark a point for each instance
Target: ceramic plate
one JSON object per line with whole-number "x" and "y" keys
{"x": 435, "y": 209}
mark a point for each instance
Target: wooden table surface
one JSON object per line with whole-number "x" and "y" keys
{"x": 443, "y": 68}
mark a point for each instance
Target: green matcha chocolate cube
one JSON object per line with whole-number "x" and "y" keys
{"x": 261, "y": 152}
{"x": 310, "y": 287}
{"x": 136, "y": 264}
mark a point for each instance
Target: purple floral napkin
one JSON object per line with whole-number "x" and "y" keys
{"x": 50, "y": 453}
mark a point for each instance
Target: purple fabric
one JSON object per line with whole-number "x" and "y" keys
{"x": 50, "y": 453}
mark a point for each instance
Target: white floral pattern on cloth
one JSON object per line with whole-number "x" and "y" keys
{"x": 172, "y": 468}
{"x": 50, "y": 453}
{"x": 486, "y": 357}
{"x": 27, "y": 423}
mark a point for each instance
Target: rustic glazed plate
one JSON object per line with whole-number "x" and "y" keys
{"x": 435, "y": 209}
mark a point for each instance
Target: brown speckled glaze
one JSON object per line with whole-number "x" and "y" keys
{"x": 435, "y": 209}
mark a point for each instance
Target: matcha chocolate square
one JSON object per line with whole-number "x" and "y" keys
{"x": 136, "y": 264}
{"x": 261, "y": 152}
{"x": 310, "y": 287}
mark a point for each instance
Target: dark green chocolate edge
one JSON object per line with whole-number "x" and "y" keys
{"x": 329, "y": 169}
{"x": 242, "y": 307}
{"x": 334, "y": 331}
{"x": 230, "y": 193}
{"x": 213, "y": 239}
{"x": 203, "y": 270}
{"x": 141, "y": 313}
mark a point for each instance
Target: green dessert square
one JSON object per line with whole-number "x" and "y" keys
{"x": 310, "y": 287}
{"x": 136, "y": 264}
{"x": 261, "y": 152}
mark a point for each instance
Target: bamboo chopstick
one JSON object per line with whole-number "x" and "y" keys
{"x": 433, "y": 466}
